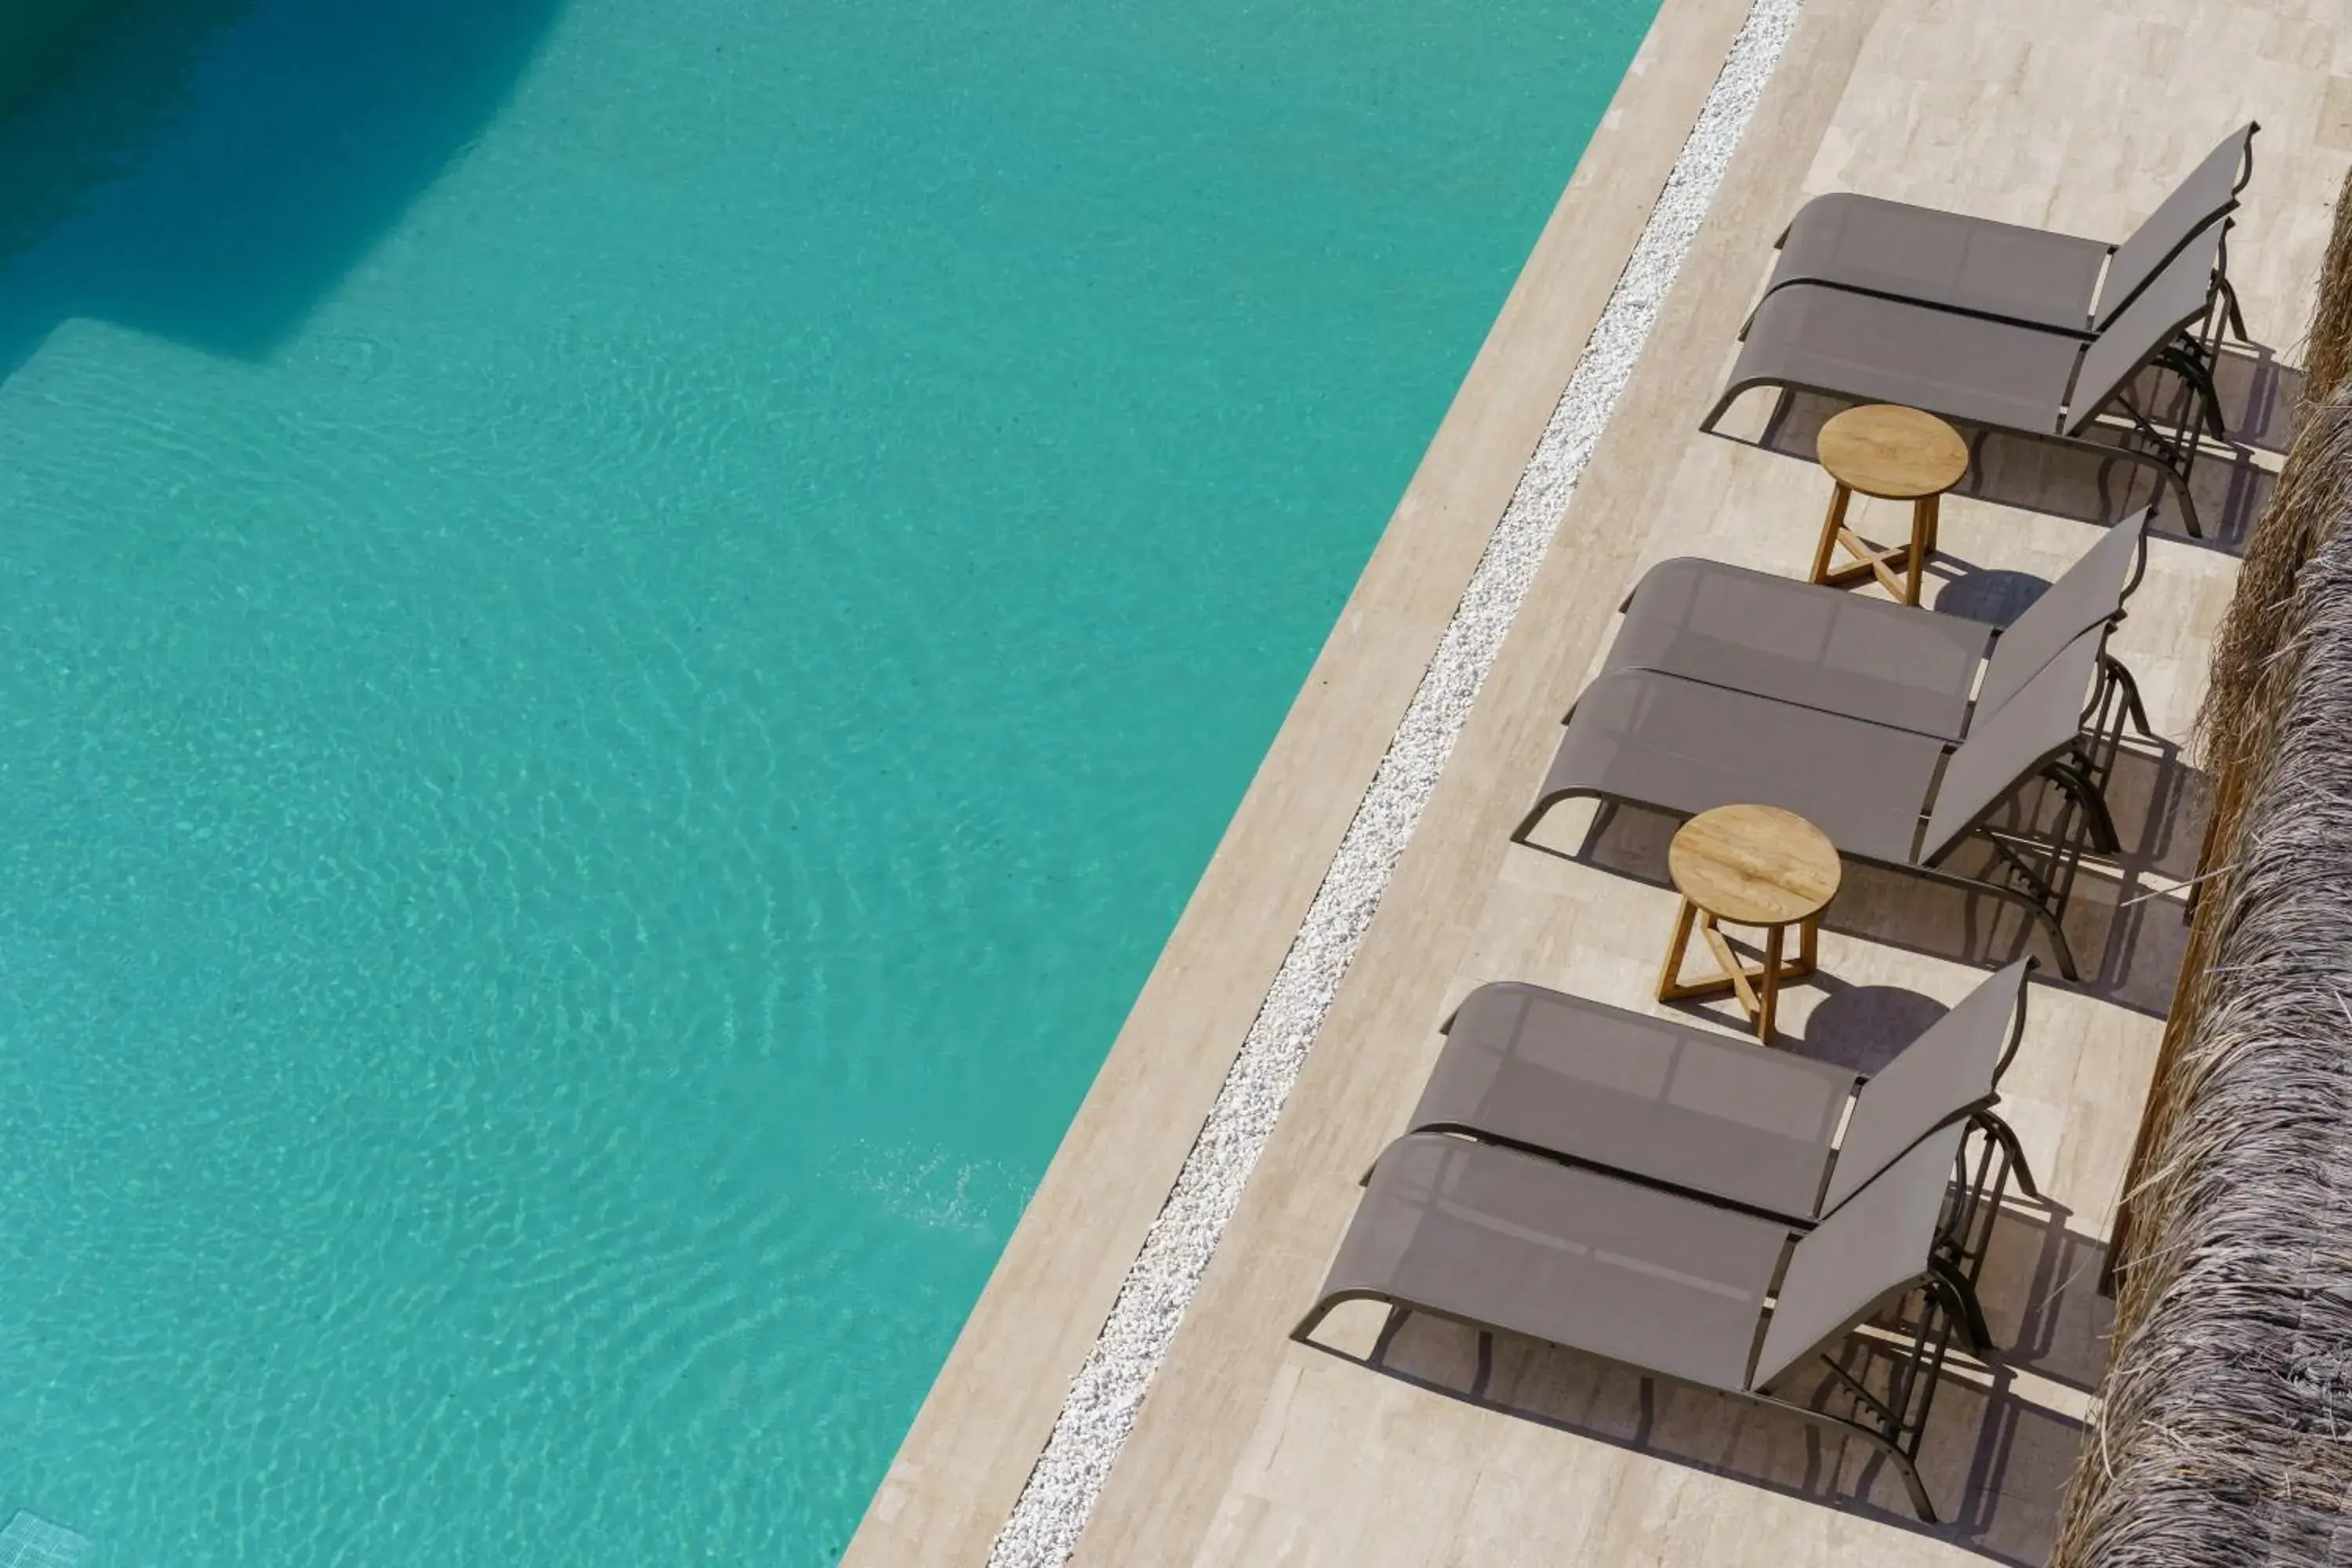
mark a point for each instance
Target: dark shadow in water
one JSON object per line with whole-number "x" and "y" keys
{"x": 208, "y": 170}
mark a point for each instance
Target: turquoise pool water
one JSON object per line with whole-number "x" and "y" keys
{"x": 622, "y": 625}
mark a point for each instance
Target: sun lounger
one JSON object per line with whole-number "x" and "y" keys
{"x": 1676, "y": 1105}
{"x": 1669, "y": 1285}
{"x": 1862, "y": 657}
{"x": 1989, "y": 376}
{"x": 1887, "y": 796}
{"x": 2028, "y": 276}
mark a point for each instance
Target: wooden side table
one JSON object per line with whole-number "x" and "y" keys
{"x": 1752, "y": 866}
{"x": 1894, "y": 454}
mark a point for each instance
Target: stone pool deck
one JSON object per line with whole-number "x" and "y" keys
{"x": 1253, "y": 1450}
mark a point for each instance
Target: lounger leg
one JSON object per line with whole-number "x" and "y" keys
{"x": 2062, "y": 949}
{"x": 2123, "y": 677}
{"x": 2058, "y": 943}
{"x": 1961, "y": 1298}
{"x": 1921, "y": 1503}
{"x": 2002, "y": 1133}
{"x": 2164, "y": 473}
{"x": 2208, "y": 396}
{"x": 2180, "y": 486}
{"x": 1528, "y": 823}
{"x": 2103, "y": 837}
{"x": 2230, "y": 310}
{"x": 1324, "y": 1305}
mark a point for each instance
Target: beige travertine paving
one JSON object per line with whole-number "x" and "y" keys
{"x": 1253, "y": 1450}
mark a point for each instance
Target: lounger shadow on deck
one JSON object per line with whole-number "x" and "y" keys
{"x": 2076, "y": 481}
{"x": 1885, "y": 798}
{"x": 2261, "y": 397}
{"x": 2126, "y": 915}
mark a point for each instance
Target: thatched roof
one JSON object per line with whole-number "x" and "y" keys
{"x": 2224, "y": 1431}
{"x": 2327, "y": 358}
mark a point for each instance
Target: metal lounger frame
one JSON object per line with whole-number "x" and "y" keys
{"x": 1894, "y": 1425}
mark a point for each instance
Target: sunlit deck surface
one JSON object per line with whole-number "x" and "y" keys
{"x": 1441, "y": 1449}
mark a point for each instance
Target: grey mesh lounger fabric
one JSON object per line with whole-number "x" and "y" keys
{"x": 2028, "y": 276}
{"x": 1682, "y": 746}
{"x": 1988, "y": 374}
{"x": 1865, "y": 658}
{"x": 1667, "y": 1284}
{"x": 1668, "y": 1103}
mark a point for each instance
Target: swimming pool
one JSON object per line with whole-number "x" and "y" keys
{"x": 625, "y": 626}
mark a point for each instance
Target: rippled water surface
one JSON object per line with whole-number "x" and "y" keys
{"x": 623, "y": 625}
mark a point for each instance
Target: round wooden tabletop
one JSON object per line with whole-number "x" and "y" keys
{"x": 1894, "y": 453}
{"x": 1754, "y": 865}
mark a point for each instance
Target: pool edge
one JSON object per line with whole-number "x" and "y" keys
{"x": 993, "y": 1403}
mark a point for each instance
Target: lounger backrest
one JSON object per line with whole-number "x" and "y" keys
{"x": 2210, "y": 191}
{"x": 2003, "y": 751}
{"x": 2090, "y": 593}
{"x": 2179, "y": 296}
{"x": 1939, "y": 1077}
{"x": 1862, "y": 1257}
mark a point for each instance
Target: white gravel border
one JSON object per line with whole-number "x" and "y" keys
{"x": 1108, "y": 1390}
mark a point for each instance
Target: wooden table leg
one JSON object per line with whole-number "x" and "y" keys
{"x": 1736, "y": 977}
{"x": 1840, "y": 498}
{"x": 1923, "y": 544}
{"x": 1767, "y": 999}
{"x": 1670, "y": 976}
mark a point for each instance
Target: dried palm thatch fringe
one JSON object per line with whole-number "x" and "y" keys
{"x": 2327, "y": 355}
{"x": 2224, "y": 1431}
{"x": 2250, "y": 679}
{"x": 2256, "y": 661}
{"x": 2224, "y": 1436}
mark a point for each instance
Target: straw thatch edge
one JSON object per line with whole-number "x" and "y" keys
{"x": 2223, "y": 1433}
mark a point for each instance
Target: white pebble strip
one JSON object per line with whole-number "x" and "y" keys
{"x": 1108, "y": 1390}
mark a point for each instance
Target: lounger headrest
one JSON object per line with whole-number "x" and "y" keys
{"x": 2090, "y": 594}
{"x": 2004, "y": 751}
{"x": 2179, "y": 296}
{"x": 2209, "y": 192}
{"x": 1942, "y": 1076}
{"x": 1874, "y": 1248}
